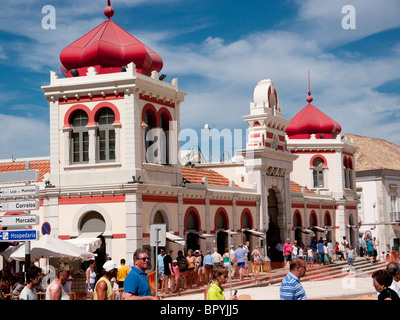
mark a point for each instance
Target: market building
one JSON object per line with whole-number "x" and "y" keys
{"x": 114, "y": 166}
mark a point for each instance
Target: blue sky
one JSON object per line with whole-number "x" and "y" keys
{"x": 219, "y": 50}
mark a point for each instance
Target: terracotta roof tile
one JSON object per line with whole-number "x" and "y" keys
{"x": 42, "y": 165}
{"x": 374, "y": 153}
{"x": 194, "y": 175}
{"x": 296, "y": 188}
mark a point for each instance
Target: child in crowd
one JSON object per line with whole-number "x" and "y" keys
{"x": 175, "y": 269}
{"x": 350, "y": 257}
{"x": 300, "y": 252}
{"x": 310, "y": 256}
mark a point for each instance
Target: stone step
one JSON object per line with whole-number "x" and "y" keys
{"x": 337, "y": 269}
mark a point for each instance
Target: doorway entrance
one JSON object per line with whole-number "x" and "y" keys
{"x": 274, "y": 232}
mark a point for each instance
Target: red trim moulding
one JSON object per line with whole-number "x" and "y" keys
{"x": 155, "y": 100}
{"x": 153, "y": 198}
{"x": 298, "y": 205}
{"x": 194, "y": 201}
{"x": 119, "y": 236}
{"x": 221, "y": 202}
{"x": 93, "y": 199}
{"x": 109, "y": 96}
{"x": 246, "y": 204}
{"x": 311, "y": 151}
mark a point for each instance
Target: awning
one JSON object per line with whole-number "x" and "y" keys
{"x": 202, "y": 235}
{"x": 255, "y": 233}
{"x": 173, "y": 238}
{"x": 319, "y": 229}
{"x": 88, "y": 244}
{"x": 304, "y": 230}
{"x": 232, "y": 233}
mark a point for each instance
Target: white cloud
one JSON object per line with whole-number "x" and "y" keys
{"x": 220, "y": 79}
{"x": 23, "y": 137}
{"x": 322, "y": 20}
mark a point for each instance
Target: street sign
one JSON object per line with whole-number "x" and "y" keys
{"x": 18, "y": 235}
{"x": 19, "y": 191}
{"x": 19, "y": 220}
{"x": 19, "y": 176}
{"x": 21, "y": 205}
{"x": 158, "y": 235}
{"x": 46, "y": 229}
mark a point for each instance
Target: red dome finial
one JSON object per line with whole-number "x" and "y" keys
{"x": 108, "y": 11}
{"x": 309, "y": 98}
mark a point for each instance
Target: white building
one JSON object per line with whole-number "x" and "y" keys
{"x": 114, "y": 167}
{"x": 378, "y": 181}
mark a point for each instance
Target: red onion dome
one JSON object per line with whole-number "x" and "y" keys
{"x": 310, "y": 120}
{"x": 108, "y": 47}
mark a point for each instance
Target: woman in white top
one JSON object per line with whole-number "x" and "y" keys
{"x": 90, "y": 276}
{"x": 326, "y": 256}
{"x": 294, "y": 250}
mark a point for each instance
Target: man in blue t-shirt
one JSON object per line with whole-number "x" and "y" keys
{"x": 240, "y": 256}
{"x": 320, "y": 251}
{"x": 136, "y": 284}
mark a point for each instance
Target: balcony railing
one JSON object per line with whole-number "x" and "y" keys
{"x": 395, "y": 216}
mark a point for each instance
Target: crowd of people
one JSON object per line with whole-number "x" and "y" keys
{"x": 193, "y": 269}
{"x": 196, "y": 269}
{"x": 324, "y": 252}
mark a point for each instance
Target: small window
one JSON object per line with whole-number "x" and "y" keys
{"x": 318, "y": 173}
{"x": 80, "y": 137}
{"x": 106, "y": 135}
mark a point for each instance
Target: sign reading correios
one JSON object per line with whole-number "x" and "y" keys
{"x": 21, "y": 205}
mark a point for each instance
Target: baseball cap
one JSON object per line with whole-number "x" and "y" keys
{"x": 110, "y": 265}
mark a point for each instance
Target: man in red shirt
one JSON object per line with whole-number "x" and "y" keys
{"x": 287, "y": 251}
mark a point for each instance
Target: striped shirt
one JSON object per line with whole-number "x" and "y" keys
{"x": 291, "y": 288}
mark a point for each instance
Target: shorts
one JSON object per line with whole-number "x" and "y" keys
{"x": 241, "y": 264}
{"x": 310, "y": 259}
{"x": 370, "y": 253}
{"x": 161, "y": 274}
{"x": 288, "y": 257}
{"x": 208, "y": 266}
{"x": 350, "y": 260}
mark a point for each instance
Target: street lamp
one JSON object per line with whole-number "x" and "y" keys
{"x": 207, "y": 127}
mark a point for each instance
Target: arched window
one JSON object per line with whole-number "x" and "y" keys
{"x": 106, "y": 135}
{"x": 164, "y": 124}
{"x": 318, "y": 172}
{"x": 80, "y": 137}
{"x": 348, "y": 172}
{"x": 149, "y": 123}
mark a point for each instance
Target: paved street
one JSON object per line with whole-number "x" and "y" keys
{"x": 349, "y": 287}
